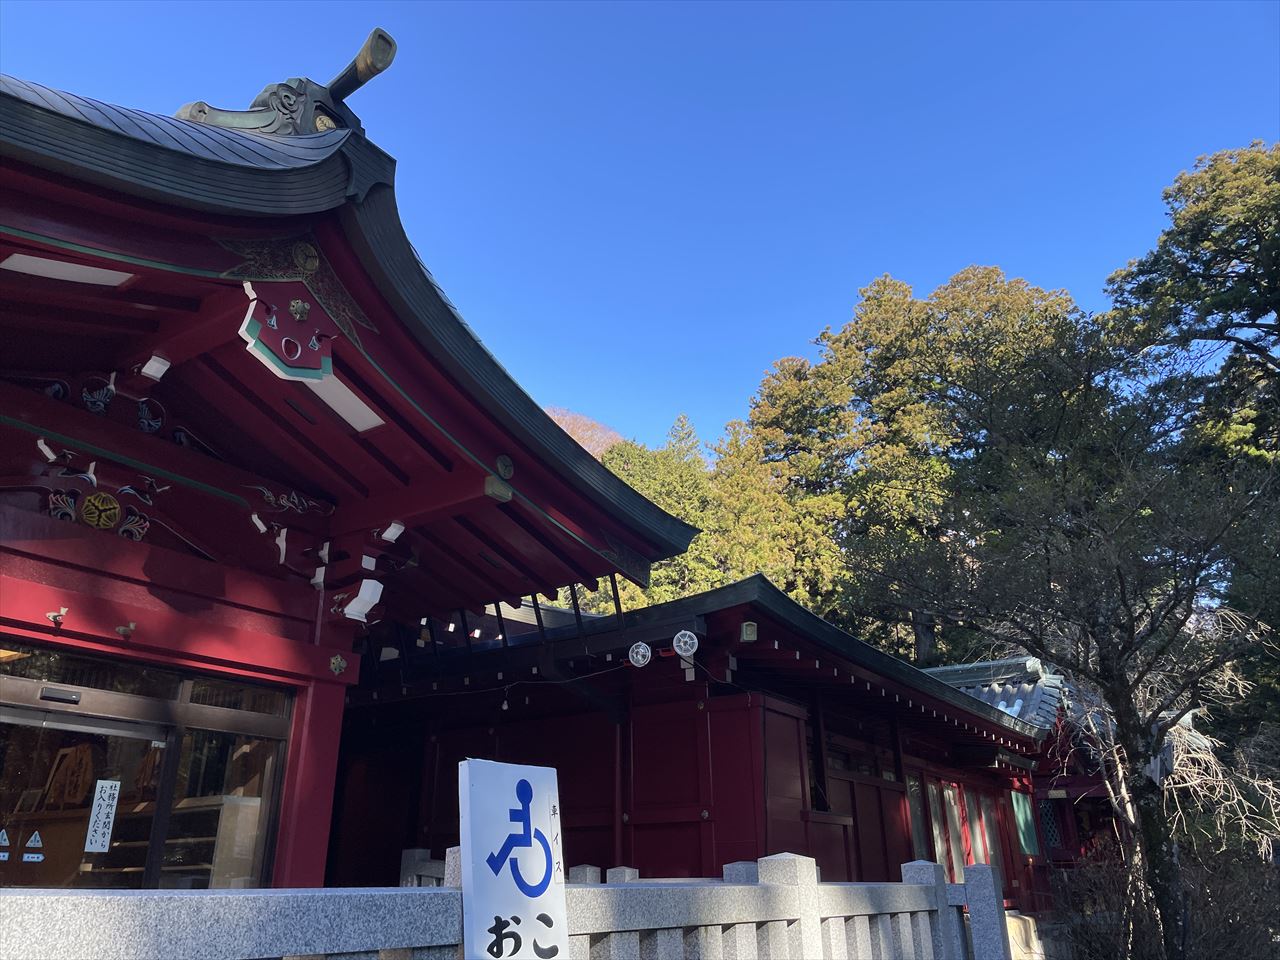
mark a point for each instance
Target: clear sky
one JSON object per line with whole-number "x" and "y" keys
{"x": 640, "y": 207}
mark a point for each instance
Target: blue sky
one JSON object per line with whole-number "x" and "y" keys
{"x": 640, "y": 207}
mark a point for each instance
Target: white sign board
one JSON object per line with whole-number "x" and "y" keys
{"x": 102, "y": 818}
{"x": 512, "y": 864}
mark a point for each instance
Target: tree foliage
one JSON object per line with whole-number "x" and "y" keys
{"x": 592, "y": 435}
{"x": 1214, "y": 274}
{"x": 988, "y": 468}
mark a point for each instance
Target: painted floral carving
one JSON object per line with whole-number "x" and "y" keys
{"x": 150, "y": 416}
{"x": 97, "y": 398}
{"x": 62, "y": 504}
{"x": 135, "y": 525}
{"x": 291, "y": 501}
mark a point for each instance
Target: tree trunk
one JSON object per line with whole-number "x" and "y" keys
{"x": 925, "y": 628}
{"x": 1159, "y": 863}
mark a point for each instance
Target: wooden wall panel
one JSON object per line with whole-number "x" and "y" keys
{"x": 786, "y": 783}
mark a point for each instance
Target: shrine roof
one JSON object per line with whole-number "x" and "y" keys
{"x": 202, "y": 140}
{"x": 759, "y": 593}
{"x": 1021, "y": 686}
{"x": 299, "y": 151}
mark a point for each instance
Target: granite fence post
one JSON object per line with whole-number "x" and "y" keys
{"x": 584, "y": 873}
{"x": 741, "y": 871}
{"x": 801, "y": 873}
{"x": 453, "y": 867}
{"x": 986, "y": 914}
{"x": 947, "y": 927}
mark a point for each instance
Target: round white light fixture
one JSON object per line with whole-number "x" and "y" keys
{"x": 685, "y": 643}
{"x": 639, "y": 654}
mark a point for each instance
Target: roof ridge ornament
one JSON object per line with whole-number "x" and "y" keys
{"x": 300, "y": 106}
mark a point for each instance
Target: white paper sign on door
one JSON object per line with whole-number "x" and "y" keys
{"x": 102, "y": 818}
{"x": 513, "y": 904}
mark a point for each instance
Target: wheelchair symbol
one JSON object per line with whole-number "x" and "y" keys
{"x": 524, "y": 837}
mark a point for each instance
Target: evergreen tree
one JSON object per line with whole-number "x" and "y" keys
{"x": 677, "y": 478}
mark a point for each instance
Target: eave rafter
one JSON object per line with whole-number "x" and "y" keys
{"x": 421, "y": 503}
{"x": 215, "y": 323}
{"x": 48, "y": 320}
{"x": 231, "y": 395}
{"x": 789, "y": 662}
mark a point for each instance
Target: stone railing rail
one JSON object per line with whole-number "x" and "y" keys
{"x": 772, "y": 908}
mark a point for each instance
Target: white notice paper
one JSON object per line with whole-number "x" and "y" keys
{"x": 512, "y": 867}
{"x": 102, "y": 817}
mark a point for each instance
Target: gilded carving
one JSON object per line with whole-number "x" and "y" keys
{"x": 100, "y": 510}
{"x": 306, "y": 257}
{"x": 297, "y": 258}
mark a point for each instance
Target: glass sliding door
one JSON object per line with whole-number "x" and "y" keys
{"x": 218, "y": 825}
{"x": 120, "y": 775}
{"x": 65, "y": 784}
{"x": 942, "y": 850}
{"x": 986, "y": 813}
{"x": 953, "y": 803}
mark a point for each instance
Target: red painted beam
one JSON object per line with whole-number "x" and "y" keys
{"x": 64, "y": 425}
{"x": 418, "y": 504}
{"x": 220, "y": 317}
{"x": 58, "y": 543}
{"x": 162, "y": 632}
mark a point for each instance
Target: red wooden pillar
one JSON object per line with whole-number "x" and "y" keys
{"x": 306, "y": 804}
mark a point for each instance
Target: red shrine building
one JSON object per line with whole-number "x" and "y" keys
{"x": 278, "y": 537}
{"x": 238, "y": 424}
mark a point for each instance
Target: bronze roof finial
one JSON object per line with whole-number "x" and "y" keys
{"x": 374, "y": 57}
{"x": 302, "y": 106}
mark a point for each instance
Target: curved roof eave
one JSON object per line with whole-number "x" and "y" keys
{"x": 146, "y": 155}
{"x": 170, "y": 161}
{"x": 380, "y": 242}
{"x": 759, "y": 591}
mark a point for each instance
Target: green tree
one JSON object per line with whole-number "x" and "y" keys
{"x": 677, "y": 478}
{"x": 995, "y": 464}
{"x": 752, "y": 527}
{"x": 1214, "y": 274}
{"x": 1213, "y": 279}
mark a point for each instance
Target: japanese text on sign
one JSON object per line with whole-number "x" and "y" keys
{"x": 512, "y": 866}
{"x": 102, "y": 817}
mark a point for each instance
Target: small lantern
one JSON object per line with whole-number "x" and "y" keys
{"x": 685, "y": 643}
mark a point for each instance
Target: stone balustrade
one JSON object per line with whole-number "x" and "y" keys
{"x": 772, "y": 908}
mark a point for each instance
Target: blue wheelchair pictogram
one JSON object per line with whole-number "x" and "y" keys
{"x": 526, "y": 836}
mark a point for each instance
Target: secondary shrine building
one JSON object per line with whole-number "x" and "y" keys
{"x": 274, "y": 527}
